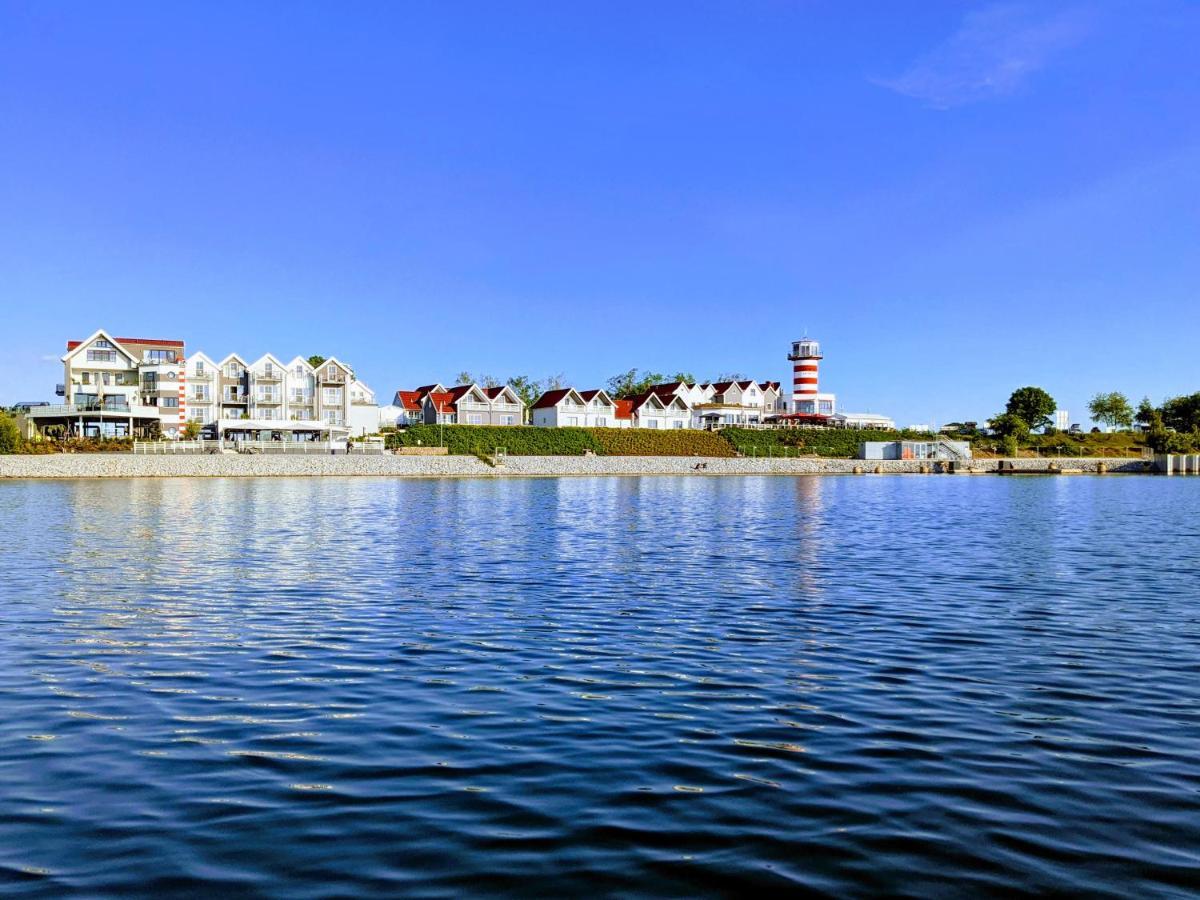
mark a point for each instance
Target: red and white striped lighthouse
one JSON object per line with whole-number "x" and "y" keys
{"x": 805, "y": 357}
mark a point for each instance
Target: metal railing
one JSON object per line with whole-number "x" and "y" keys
{"x": 194, "y": 448}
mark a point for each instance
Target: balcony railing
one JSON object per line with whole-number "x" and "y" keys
{"x": 269, "y": 399}
{"x": 200, "y": 376}
{"x": 71, "y": 409}
{"x": 331, "y": 378}
{"x": 271, "y": 377}
{"x": 240, "y": 399}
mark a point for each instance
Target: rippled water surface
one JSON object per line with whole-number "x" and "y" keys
{"x": 902, "y": 685}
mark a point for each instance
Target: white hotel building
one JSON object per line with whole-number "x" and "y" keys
{"x": 236, "y": 398}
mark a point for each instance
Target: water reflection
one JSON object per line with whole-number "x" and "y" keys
{"x": 654, "y": 685}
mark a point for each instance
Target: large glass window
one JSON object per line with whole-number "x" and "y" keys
{"x": 102, "y": 355}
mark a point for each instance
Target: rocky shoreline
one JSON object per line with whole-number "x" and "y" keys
{"x": 123, "y": 465}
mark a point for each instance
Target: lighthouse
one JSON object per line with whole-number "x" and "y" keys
{"x": 806, "y": 397}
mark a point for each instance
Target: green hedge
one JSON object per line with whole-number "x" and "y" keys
{"x": 671, "y": 442}
{"x": 517, "y": 440}
{"x": 526, "y": 440}
{"x": 840, "y": 443}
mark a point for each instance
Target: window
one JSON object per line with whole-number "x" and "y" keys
{"x": 652, "y": 423}
{"x": 298, "y": 371}
{"x": 169, "y": 402}
{"x": 601, "y": 422}
{"x": 331, "y": 396}
{"x": 160, "y": 356}
{"x": 233, "y": 370}
{"x": 105, "y": 376}
{"x": 506, "y": 420}
{"x": 199, "y": 367}
{"x": 678, "y": 424}
{"x": 475, "y": 419}
{"x": 85, "y": 377}
{"x": 826, "y": 407}
{"x": 102, "y": 355}
{"x": 103, "y": 344}
{"x": 330, "y": 372}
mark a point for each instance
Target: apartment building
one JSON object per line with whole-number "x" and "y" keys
{"x": 236, "y": 398}
{"x": 115, "y": 387}
{"x": 734, "y": 403}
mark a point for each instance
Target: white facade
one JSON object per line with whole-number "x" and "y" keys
{"x": 239, "y": 397}
{"x": 118, "y": 387}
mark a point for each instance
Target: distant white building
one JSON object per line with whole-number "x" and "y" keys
{"x": 1062, "y": 419}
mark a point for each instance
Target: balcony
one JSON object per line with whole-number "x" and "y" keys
{"x": 331, "y": 378}
{"x": 93, "y": 408}
{"x": 200, "y": 376}
{"x": 239, "y": 399}
{"x": 268, "y": 400}
{"x": 272, "y": 377}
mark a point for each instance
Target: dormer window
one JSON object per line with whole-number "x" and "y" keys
{"x": 102, "y": 344}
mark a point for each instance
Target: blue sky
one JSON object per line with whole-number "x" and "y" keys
{"x": 957, "y": 199}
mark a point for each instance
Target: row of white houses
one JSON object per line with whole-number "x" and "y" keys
{"x": 664, "y": 406}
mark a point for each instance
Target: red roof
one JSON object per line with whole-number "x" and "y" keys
{"x": 624, "y": 409}
{"x": 767, "y": 385}
{"x": 71, "y": 345}
{"x": 589, "y": 395}
{"x": 425, "y": 389}
{"x": 410, "y": 400}
{"x": 458, "y": 390}
{"x": 494, "y": 392}
{"x": 550, "y": 398}
{"x": 443, "y": 403}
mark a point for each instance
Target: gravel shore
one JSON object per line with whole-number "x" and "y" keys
{"x": 124, "y": 465}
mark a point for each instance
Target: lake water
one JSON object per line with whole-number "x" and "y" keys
{"x": 662, "y": 686}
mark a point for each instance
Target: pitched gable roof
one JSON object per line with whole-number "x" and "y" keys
{"x": 552, "y": 398}
{"x": 495, "y": 393}
{"x": 408, "y": 400}
{"x": 100, "y": 332}
{"x": 588, "y": 396}
{"x": 442, "y": 401}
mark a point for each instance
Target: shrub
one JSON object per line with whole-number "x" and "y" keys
{"x": 526, "y": 440}
{"x": 1010, "y": 445}
{"x": 841, "y": 443}
{"x": 10, "y": 435}
{"x": 649, "y": 442}
{"x": 517, "y": 440}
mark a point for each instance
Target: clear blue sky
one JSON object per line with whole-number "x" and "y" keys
{"x": 957, "y": 199}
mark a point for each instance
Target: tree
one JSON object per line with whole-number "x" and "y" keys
{"x": 315, "y": 361}
{"x": 1010, "y": 425}
{"x": 1112, "y": 409}
{"x": 1033, "y": 405}
{"x": 10, "y": 435}
{"x": 191, "y": 430}
{"x": 631, "y": 383}
{"x": 464, "y": 378}
{"x": 1182, "y": 413}
{"x": 1146, "y": 413}
{"x": 731, "y": 376}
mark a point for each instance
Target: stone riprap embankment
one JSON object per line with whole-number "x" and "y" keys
{"x": 124, "y": 465}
